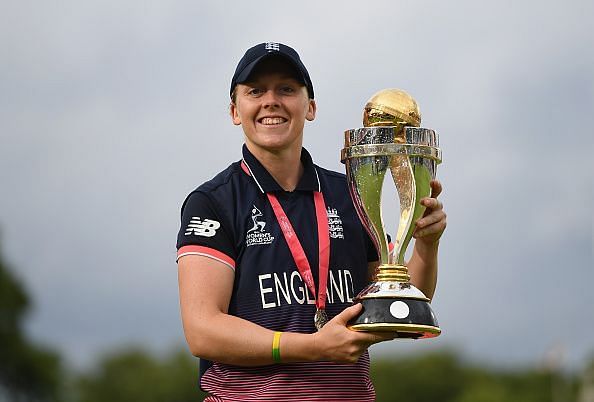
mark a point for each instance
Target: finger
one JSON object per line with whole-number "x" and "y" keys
{"x": 432, "y": 203}
{"x": 431, "y": 218}
{"x": 374, "y": 337}
{"x": 436, "y": 228}
{"x": 348, "y": 314}
{"x": 436, "y": 188}
{"x": 383, "y": 336}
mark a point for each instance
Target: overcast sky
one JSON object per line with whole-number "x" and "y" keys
{"x": 112, "y": 111}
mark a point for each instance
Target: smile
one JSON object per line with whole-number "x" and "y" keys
{"x": 271, "y": 121}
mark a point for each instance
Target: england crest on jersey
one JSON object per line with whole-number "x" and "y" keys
{"x": 334, "y": 224}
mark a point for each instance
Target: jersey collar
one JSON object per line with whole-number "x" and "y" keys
{"x": 266, "y": 183}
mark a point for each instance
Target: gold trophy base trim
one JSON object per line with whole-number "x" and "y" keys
{"x": 413, "y": 330}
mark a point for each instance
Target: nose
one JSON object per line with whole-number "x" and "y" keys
{"x": 270, "y": 99}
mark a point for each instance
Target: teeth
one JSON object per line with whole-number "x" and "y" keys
{"x": 273, "y": 120}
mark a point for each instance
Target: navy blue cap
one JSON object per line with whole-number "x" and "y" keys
{"x": 255, "y": 54}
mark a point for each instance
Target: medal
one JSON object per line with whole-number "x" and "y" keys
{"x": 320, "y": 318}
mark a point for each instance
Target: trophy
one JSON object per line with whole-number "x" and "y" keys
{"x": 392, "y": 139}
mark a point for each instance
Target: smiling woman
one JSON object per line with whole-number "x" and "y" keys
{"x": 271, "y": 252}
{"x": 272, "y": 107}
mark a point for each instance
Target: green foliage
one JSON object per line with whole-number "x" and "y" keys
{"x": 443, "y": 377}
{"x": 135, "y": 375}
{"x": 436, "y": 377}
{"x": 13, "y": 302}
{"x": 27, "y": 372}
{"x": 530, "y": 386}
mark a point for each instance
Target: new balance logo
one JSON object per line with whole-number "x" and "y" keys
{"x": 272, "y": 46}
{"x": 206, "y": 228}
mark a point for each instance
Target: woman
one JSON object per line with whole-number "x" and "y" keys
{"x": 258, "y": 261}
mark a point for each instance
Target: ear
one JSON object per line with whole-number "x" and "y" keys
{"x": 234, "y": 113}
{"x": 311, "y": 110}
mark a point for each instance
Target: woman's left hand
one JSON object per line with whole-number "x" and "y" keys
{"x": 430, "y": 227}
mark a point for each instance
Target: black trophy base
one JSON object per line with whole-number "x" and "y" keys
{"x": 408, "y": 318}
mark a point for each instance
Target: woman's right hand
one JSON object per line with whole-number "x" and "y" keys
{"x": 336, "y": 342}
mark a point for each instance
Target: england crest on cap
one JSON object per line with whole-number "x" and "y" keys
{"x": 272, "y": 46}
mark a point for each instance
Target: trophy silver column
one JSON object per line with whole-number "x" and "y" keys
{"x": 392, "y": 139}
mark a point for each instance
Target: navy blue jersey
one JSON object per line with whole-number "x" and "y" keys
{"x": 230, "y": 219}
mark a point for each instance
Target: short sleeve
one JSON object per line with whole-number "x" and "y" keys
{"x": 204, "y": 230}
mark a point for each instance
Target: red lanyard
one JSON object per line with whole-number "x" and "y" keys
{"x": 299, "y": 255}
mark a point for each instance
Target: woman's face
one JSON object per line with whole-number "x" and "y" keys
{"x": 272, "y": 108}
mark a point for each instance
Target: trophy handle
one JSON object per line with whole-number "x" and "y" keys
{"x": 412, "y": 179}
{"x": 366, "y": 177}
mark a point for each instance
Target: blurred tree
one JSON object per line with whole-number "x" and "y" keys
{"x": 135, "y": 375}
{"x": 428, "y": 378}
{"x": 520, "y": 386}
{"x": 27, "y": 372}
{"x": 586, "y": 386}
{"x": 443, "y": 377}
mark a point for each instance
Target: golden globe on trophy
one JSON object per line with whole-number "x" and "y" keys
{"x": 392, "y": 139}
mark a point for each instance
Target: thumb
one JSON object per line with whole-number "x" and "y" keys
{"x": 348, "y": 314}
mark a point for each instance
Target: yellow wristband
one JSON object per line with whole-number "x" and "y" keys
{"x": 276, "y": 347}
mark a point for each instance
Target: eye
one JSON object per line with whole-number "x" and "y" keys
{"x": 255, "y": 91}
{"x": 288, "y": 89}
